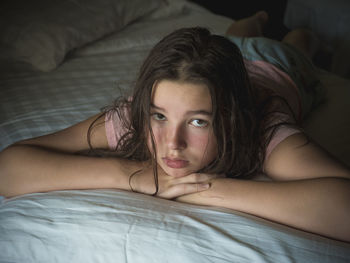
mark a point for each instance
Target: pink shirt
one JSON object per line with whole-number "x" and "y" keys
{"x": 262, "y": 75}
{"x": 265, "y": 75}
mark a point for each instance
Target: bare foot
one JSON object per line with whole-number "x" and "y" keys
{"x": 252, "y": 26}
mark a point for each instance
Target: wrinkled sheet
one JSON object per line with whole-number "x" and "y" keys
{"x": 118, "y": 226}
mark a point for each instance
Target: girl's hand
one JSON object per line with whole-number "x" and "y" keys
{"x": 170, "y": 187}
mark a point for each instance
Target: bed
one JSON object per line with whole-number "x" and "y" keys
{"x": 61, "y": 62}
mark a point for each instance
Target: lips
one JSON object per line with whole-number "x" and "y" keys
{"x": 175, "y": 163}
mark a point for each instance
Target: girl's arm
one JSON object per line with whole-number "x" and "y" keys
{"x": 75, "y": 138}
{"x": 296, "y": 157}
{"x": 311, "y": 191}
{"x": 27, "y": 169}
{"x": 49, "y": 163}
{"x": 319, "y": 205}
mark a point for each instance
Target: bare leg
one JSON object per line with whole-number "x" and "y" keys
{"x": 249, "y": 27}
{"x": 303, "y": 39}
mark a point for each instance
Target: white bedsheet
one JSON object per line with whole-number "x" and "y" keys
{"x": 117, "y": 226}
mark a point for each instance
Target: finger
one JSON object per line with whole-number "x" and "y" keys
{"x": 184, "y": 189}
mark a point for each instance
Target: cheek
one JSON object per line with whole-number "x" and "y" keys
{"x": 205, "y": 144}
{"x": 157, "y": 138}
{"x": 198, "y": 141}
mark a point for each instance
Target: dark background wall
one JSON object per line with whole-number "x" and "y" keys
{"x": 243, "y": 8}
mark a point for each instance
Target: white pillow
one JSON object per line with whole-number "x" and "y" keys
{"x": 42, "y": 32}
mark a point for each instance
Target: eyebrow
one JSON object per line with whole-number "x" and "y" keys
{"x": 192, "y": 112}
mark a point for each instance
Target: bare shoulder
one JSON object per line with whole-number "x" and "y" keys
{"x": 74, "y": 138}
{"x": 298, "y": 157}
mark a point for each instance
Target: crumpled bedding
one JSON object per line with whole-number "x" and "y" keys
{"x": 119, "y": 226}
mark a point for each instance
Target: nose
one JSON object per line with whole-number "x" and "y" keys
{"x": 176, "y": 138}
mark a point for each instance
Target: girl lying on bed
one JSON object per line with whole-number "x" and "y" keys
{"x": 201, "y": 119}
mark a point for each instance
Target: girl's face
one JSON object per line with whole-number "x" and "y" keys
{"x": 181, "y": 120}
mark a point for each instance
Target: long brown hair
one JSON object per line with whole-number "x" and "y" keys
{"x": 240, "y": 116}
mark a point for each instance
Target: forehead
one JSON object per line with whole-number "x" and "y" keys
{"x": 168, "y": 93}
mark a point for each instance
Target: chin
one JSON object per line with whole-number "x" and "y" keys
{"x": 177, "y": 172}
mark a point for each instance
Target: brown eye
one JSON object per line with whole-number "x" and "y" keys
{"x": 158, "y": 117}
{"x": 199, "y": 123}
